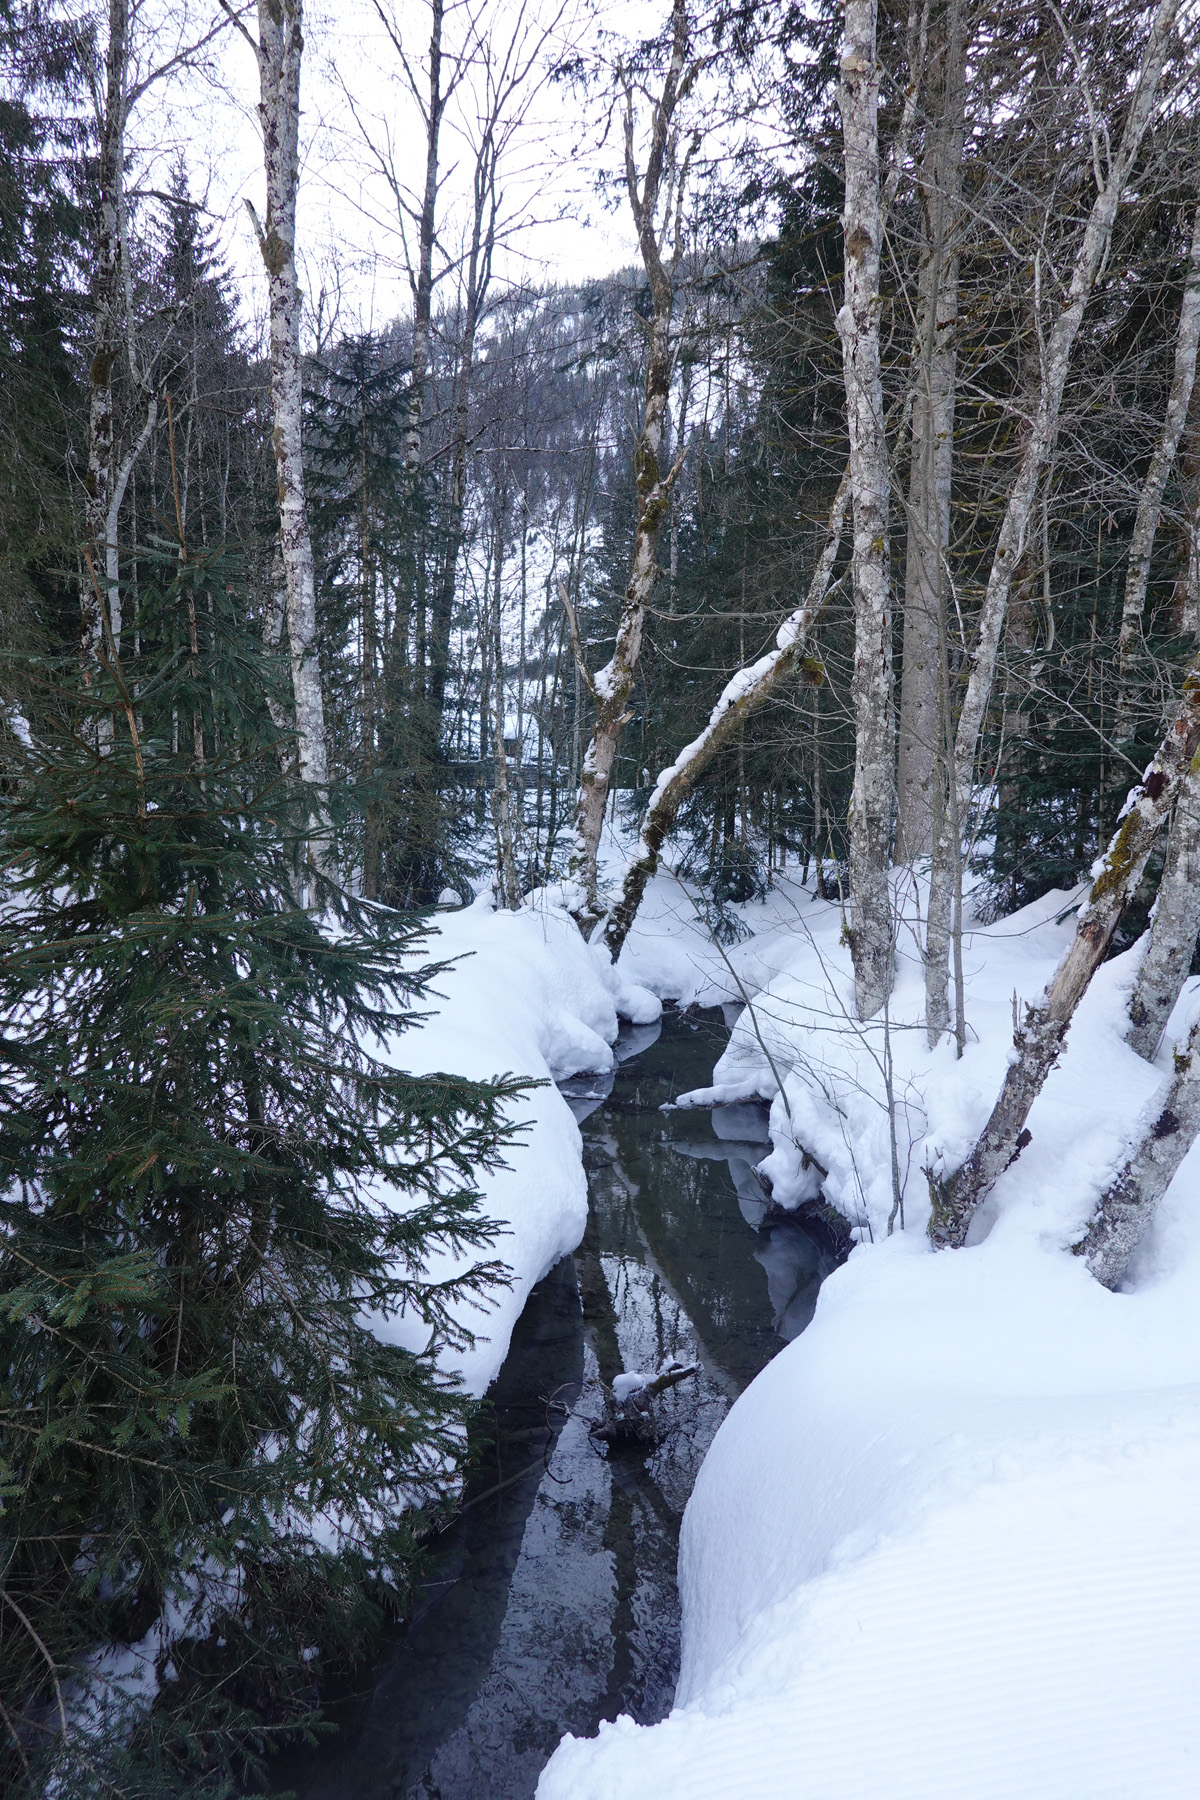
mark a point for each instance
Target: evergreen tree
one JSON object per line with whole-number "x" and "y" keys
{"x": 213, "y": 1181}
{"x": 378, "y": 548}
{"x": 40, "y": 224}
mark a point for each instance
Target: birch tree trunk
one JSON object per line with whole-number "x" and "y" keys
{"x": 741, "y": 697}
{"x": 873, "y": 793}
{"x": 752, "y": 687}
{"x": 663, "y": 183}
{"x": 279, "y": 51}
{"x": 108, "y": 325}
{"x": 1131, "y": 1202}
{"x": 1040, "y": 440}
{"x": 1183, "y": 379}
{"x": 1173, "y": 930}
{"x": 1176, "y": 923}
{"x": 941, "y": 179}
{"x": 1040, "y": 1038}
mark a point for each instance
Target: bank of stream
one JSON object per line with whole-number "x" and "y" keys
{"x": 551, "y": 1603}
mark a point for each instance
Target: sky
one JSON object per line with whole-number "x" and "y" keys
{"x": 360, "y": 123}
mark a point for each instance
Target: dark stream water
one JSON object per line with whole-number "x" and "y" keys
{"x": 551, "y": 1603}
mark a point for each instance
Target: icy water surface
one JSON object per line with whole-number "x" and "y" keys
{"x": 551, "y": 1603}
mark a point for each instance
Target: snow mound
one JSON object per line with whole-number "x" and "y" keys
{"x": 526, "y": 996}
{"x": 946, "y": 1545}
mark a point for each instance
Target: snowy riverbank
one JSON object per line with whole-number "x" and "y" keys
{"x": 525, "y": 996}
{"x": 948, "y": 1543}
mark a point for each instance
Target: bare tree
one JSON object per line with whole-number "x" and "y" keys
{"x": 120, "y": 80}
{"x": 935, "y": 355}
{"x": 1039, "y": 1039}
{"x": 873, "y": 795}
{"x": 747, "y": 691}
{"x": 1176, "y": 922}
{"x": 1145, "y": 526}
{"x": 278, "y": 52}
{"x": 1112, "y": 173}
{"x": 751, "y": 687}
{"x": 1174, "y": 928}
{"x": 656, "y": 201}
{"x": 1130, "y": 1203}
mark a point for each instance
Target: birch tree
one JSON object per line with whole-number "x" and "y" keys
{"x": 935, "y": 356}
{"x": 656, "y": 202}
{"x": 431, "y": 88}
{"x": 278, "y": 51}
{"x": 1174, "y": 928}
{"x": 1039, "y": 1039}
{"x": 1175, "y": 925}
{"x": 873, "y": 794}
{"x": 1130, "y": 1203}
{"x": 1150, "y": 501}
{"x": 119, "y": 81}
{"x": 747, "y": 691}
{"x": 108, "y": 323}
{"x": 1112, "y": 172}
{"x": 751, "y": 687}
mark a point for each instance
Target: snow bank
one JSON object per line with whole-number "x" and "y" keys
{"x": 526, "y": 996}
{"x": 947, "y": 1545}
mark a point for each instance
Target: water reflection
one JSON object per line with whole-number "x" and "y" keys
{"x": 552, "y": 1602}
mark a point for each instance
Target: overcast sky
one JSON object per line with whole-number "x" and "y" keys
{"x": 353, "y": 89}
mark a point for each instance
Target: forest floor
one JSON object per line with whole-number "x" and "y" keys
{"x": 948, "y": 1542}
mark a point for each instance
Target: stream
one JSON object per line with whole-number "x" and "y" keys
{"x": 550, "y": 1604}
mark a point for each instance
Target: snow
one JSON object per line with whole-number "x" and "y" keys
{"x": 947, "y": 1544}
{"x": 526, "y": 996}
{"x": 626, "y": 1385}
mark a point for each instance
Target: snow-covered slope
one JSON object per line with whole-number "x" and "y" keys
{"x": 947, "y": 1545}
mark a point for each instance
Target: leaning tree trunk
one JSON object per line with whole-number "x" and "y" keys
{"x": 1174, "y": 929}
{"x": 1176, "y": 922}
{"x": 613, "y": 685}
{"x": 936, "y": 356}
{"x": 1038, "y": 444}
{"x": 279, "y": 52}
{"x": 1132, "y": 1201}
{"x": 873, "y": 793}
{"x": 1040, "y": 1038}
{"x": 750, "y": 688}
{"x": 741, "y": 697}
{"x": 1141, "y": 546}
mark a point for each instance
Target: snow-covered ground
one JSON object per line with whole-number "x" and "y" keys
{"x": 948, "y": 1543}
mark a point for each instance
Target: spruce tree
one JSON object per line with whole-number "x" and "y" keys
{"x": 213, "y": 1181}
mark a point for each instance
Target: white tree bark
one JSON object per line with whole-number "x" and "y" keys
{"x": 662, "y": 186}
{"x": 1137, "y": 576}
{"x": 1042, "y": 432}
{"x": 873, "y": 793}
{"x": 1174, "y": 928}
{"x": 1040, "y": 1038}
{"x": 751, "y": 687}
{"x": 280, "y": 45}
{"x": 1131, "y": 1202}
{"x": 108, "y": 327}
{"x": 741, "y": 697}
{"x": 936, "y": 356}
